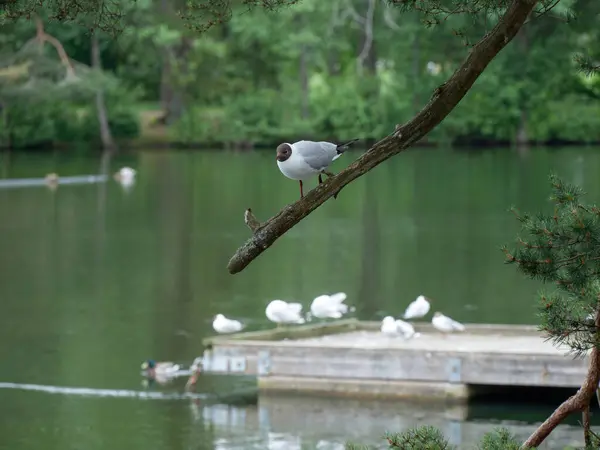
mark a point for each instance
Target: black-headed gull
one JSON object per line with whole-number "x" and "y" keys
{"x": 222, "y": 324}
{"x": 392, "y": 327}
{"x": 445, "y": 324}
{"x": 304, "y": 159}
{"x": 418, "y": 308}
{"x": 281, "y": 312}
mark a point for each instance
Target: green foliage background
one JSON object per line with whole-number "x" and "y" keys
{"x": 266, "y": 76}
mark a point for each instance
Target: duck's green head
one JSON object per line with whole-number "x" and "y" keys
{"x": 149, "y": 364}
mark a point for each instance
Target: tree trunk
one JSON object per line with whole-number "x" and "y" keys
{"x": 303, "y": 71}
{"x": 367, "y": 52}
{"x": 304, "y": 81}
{"x": 416, "y": 50}
{"x": 333, "y": 62}
{"x": 166, "y": 89}
{"x": 105, "y": 133}
{"x": 521, "y": 137}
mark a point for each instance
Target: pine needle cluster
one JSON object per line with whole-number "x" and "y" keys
{"x": 430, "y": 438}
{"x": 421, "y": 438}
{"x": 563, "y": 249}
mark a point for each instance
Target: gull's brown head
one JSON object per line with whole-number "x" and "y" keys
{"x": 284, "y": 151}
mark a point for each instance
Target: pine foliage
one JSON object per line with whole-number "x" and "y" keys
{"x": 430, "y": 438}
{"x": 421, "y": 438}
{"x": 563, "y": 249}
{"x": 499, "y": 439}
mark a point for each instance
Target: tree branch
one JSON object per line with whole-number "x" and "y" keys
{"x": 578, "y": 402}
{"x": 368, "y": 35}
{"x": 387, "y": 17}
{"x": 42, "y": 37}
{"x": 443, "y": 101}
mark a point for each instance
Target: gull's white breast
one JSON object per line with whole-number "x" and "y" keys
{"x": 295, "y": 168}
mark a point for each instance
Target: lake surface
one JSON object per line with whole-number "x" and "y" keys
{"x": 96, "y": 278}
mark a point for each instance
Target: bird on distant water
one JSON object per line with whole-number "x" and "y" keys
{"x": 251, "y": 220}
{"x": 125, "y": 176}
{"x": 304, "y": 159}
{"x": 417, "y": 308}
{"x": 52, "y": 180}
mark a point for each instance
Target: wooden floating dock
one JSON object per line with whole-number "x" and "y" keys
{"x": 352, "y": 358}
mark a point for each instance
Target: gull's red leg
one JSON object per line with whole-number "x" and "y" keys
{"x": 301, "y": 192}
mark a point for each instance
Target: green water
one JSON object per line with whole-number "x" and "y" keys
{"x": 94, "y": 279}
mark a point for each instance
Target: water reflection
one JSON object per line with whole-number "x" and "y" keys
{"x": 295, "y": 422}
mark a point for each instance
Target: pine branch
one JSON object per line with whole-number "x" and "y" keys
{"x": 441, "y": 104}
{"x": 587, "y": 65}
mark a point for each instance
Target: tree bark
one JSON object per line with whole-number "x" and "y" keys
{"x": 586, "y": 427}
{"x": 444, "y": 100}
{"x": 108, "y": 142}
